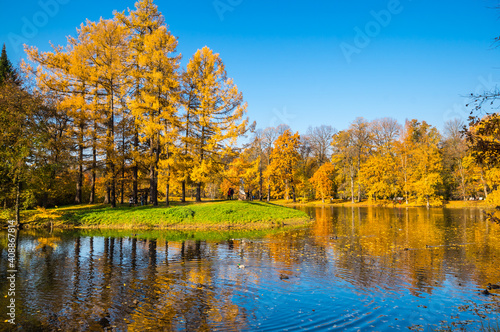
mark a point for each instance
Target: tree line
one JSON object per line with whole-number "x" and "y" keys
{"x": 113, "y": 116}
{"x": 377, "y": 160}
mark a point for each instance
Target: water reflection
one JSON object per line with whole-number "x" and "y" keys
{"x": 354, "y": 268}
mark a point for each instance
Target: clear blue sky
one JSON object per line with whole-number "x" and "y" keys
{"x": 304, "y": 63}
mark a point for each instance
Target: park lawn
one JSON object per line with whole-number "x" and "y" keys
{"x": 208, "y": 215}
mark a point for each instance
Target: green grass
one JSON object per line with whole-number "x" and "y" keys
{"x": 237, "y": 214}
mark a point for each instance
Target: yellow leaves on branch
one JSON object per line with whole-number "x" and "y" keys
{"x": 215, "y": 112}
{"x": 284, "y": 158}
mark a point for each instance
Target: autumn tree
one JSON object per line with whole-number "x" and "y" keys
{"x": 155, "y": 79}
{"x": 89, "y": 75}
{"x": 344, "y": 158}
{"x": 385, "y": 132}
{"x": 242, "y": 172}
{"x": 7, "y": 71}
{"x": 305, "y": 167}
{"x": 377, "y": 171}
{"x": 378, "y": 176}
{"x": 284, "y": 158}
{"x": 62, "y": 74}
{"x": 454, "y": 163}
{"x": 483, "y": 136}
{"x": 425, "y": 179}
{"x": 320, "y": 139}
{"x": 259, "y": 148}
{"x": 323, "y": 181}
{"x": 106, "y": 47}
{"x": 361, "y": 136}
{"x": 19, "y": 139}
{"x": 53, "y": 171}
{"x": 268, "y": 136}
{"x": 187, "y": 139}
{"x": 216, "y": 118}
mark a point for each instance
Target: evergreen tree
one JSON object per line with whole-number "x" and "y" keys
{"x": 7, "y": 71}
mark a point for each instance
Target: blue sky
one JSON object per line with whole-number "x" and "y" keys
{"x": 312, "y": 63}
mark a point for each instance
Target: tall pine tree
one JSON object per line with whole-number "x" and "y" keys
{"x": 7, "y": 71}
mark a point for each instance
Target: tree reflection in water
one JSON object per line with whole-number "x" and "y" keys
{"x": 366, "y": 268}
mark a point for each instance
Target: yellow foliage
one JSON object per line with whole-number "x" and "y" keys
{"x": 324, "y": 180}
{"x": 284, "y": 158}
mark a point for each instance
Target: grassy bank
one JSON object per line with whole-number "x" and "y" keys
{"x": 210, "y": 215}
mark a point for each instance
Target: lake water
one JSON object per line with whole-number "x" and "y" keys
{"x": 353, "y": 269}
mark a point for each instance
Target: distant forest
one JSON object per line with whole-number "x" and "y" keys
{"x": 112, "y": 117}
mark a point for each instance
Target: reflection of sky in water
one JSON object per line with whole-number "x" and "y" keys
{"x": 366, "y": 268}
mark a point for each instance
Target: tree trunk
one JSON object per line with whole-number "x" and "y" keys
{"x": 113, "y": 186}
{"x": 202, "y": 142}
{"x": 462, "y": 180}
{"x": 151, "y": 183}
{"x": 359, "y": 179}
{"x": 287, "y": 195}
{"x": 183, "y": 194}
{"x": 122, "y": 181}
{"x": 198, "y": 192}
{"x": 94, "y": 166}
{"x": 79, "y": 182}
{"x": 18, "y": 202}
{"x": 153, "y": 171}
{"x": 352, "y": 190}
{"x": 152, "y": 175}
{"x": 122, "y": 189}
{"x": 268, "y": 192}
{"x": 293, "y": 194}
{"x": 167, "y": 195}
{"x": 485, "y": 186}
{"x": 110, "y": 172}
{"x": 135, "y": 168}
{"x": 107, "y": 194}
{"x": 260, "y": 181}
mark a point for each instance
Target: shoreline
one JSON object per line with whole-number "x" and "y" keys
{"x": 390, "y": 204}
{"x": 213, "y": 215}
{"x": 186, "y": 227}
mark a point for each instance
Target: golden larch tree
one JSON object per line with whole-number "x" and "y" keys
{"x": 215, "y": 118}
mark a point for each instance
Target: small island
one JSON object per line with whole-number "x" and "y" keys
{"x": 234, "y": 215}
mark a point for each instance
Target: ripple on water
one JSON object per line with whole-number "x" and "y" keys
{"x": 356, "y": 282}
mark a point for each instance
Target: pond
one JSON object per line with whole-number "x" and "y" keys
{"x": 366, "y": 269}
